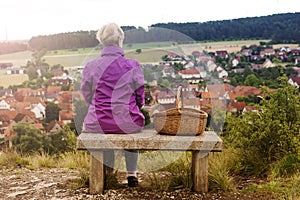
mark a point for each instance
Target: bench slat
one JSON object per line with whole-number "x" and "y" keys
{"x": 149, "y": 139}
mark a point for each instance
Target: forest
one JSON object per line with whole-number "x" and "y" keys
{"x": 280, "y": 28}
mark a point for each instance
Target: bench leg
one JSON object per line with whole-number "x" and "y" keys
{"x": 200, "y": 171}
{"x": 97, "y": 172}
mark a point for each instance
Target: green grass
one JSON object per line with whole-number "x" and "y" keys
{"x": 280, "y": 188}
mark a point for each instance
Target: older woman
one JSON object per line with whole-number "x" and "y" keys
{"x": 113, "y": 89}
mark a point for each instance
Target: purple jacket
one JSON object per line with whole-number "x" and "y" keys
{"x": 113, "y": 90}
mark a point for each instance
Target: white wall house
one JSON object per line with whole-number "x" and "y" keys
{"x": 4, "y": 105}
{"x": 189, "y": 73}
{"x": 39, "y": 111}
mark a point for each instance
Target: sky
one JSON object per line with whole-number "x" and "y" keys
{"x": 23, "y": 19}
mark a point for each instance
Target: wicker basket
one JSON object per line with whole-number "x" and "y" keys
{"x": 179, "y": 120}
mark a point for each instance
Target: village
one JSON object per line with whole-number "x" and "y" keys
{"x": 204, "y": 80}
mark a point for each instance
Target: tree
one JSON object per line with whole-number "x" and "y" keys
{"x": 37, "y": 58}
{"x": 52, "y": 112}
{"x": 165, "y": 83}
{"x": 138, "y": 51}
{"x": 32, "y": 73}
{"x": 252, "y": 80}
{"x": 63, "y": 141}
{"x": 29, "y": 139}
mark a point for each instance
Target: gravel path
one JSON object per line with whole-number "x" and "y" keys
{"x": 45, "y": 184}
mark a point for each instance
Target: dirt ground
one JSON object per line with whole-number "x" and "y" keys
{"x": 44, "y": 184}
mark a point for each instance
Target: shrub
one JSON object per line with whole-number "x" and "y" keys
{"x": 30, "y": 140}
{"x": 267, "y": 136}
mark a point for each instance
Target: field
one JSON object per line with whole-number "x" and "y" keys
{"x": 151, "y": 53}
{"x": 15, "y": 79}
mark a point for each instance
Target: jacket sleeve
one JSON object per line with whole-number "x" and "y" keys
{"x": 86, "y": 87}
{"x": 139, "y": 90}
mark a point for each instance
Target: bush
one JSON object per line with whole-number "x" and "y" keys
{"x": 30, "y": 140}
{"x": 267, "y": 136}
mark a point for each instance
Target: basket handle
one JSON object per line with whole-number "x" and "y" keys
{"x": 179, "y": 98}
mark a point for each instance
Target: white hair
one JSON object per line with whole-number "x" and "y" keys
{"x": 110, "y": 35}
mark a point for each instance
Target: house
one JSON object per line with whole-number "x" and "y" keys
{"x": 78, "y": 69}
{"x": 39, "y": 111}
{"x": 19, "y": 106}
{"x": 267, "y": 52}
{"x": 255, "y": 57}
{"x": 236, "y": 107}
{"x": 285, "y": 49}
{"x": 188, "y": 65}
{"x": 174, "y": 56}
{"x": 193, "y": 103}
{"x": 15, "y": 70}
{"x": 4, "y": 121}
{"x": 9, "y": 132}
{"x": 64, "y": 100}
{"x": 52, "y": 92}
{"x": 4, "y": 105}
{"x": 33, "y": 100}
{"x": 295, "y": 52}
{"x": 189, "y": 73}
{"x": 38, "y": 126}
{"x": 222, "y": 53}
{"x": 211, "y": 66}
{"x": 246, "y": 52}
{"x": 268, "y": 63}
{"x": 61, "y": 80}
{"x": 5, "y": 65}
{"x": 166, "y": 97}
{"x": 168, "y": 71}
{"x": 24, "y": 118}
{"x": 295, "y": 81}
{"x": 249, "y": 109}
{"x": 53, "y": 127}
{"x": 238, "y": 70}
{"x": 21, "y": 93}
{"x": 244, "y": 91}
{"x": 66, "y": 116}
{"x": 8, "y": 114}
{"x": 6, "y": 92}
{"x": 282, "y": 55}
{"x": 235, "y": 61}
{"x": 222, "y": 73}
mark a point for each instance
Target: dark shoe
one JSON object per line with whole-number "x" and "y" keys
{"x": 132, "y": 181}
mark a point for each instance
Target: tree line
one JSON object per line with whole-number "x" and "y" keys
{"x": 280, "y": 28}
{"x": 11, "y": 47}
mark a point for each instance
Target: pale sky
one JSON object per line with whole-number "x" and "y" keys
{"x": 22, "y": 19}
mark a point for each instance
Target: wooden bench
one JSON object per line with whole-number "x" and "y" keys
{"x": 148, "y": 139}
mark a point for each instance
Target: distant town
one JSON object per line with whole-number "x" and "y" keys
{"x": 206, "y": 78}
